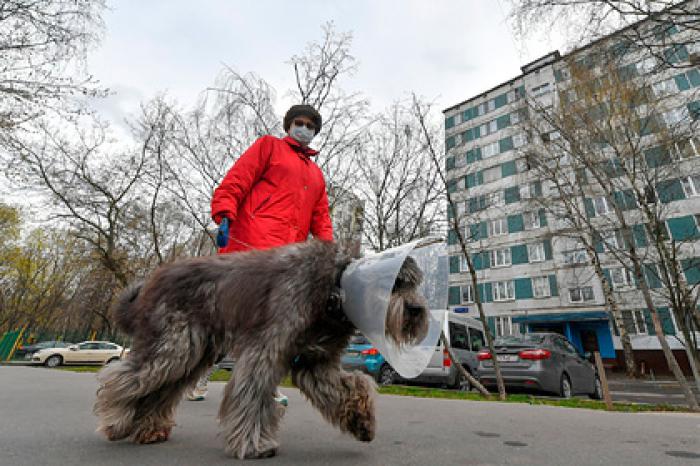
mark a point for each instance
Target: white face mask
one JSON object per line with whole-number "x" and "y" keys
{"x": 302, "y": 134}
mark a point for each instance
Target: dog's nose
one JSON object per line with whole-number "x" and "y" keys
{"x": 414, "y": 310}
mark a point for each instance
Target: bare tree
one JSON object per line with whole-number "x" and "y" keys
{"x": 398, "y": 182}
{"x": 42, "y": 47}
{"x": 608, "y": 128}
{"x": 432, "y": 146}
{"x": 666, "y": 29}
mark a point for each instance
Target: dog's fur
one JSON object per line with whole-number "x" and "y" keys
{"x": 273, "y": 311}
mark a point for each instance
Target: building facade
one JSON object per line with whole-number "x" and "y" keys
{"x": 532, "y": 277}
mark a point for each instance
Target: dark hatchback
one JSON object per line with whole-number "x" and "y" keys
{"x": 540, "y": 361}
{"x": 26, "y": 351}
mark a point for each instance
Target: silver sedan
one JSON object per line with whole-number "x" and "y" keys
{"x": 541, "y": 361}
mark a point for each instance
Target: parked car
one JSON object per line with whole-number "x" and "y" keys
{"x": 465, "y": 337}
{"x": 87, "y": 352}
{"x": 361, "y": 355}
{"x": 542, "y": 361}
{"x": 26, "y": 351}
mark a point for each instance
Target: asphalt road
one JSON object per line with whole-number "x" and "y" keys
{"x": 45, "y": 418}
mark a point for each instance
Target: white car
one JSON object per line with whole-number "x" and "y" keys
{"x": 87, "y": 352}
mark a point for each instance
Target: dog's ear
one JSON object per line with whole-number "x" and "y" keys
{"x": 410, "y": 275}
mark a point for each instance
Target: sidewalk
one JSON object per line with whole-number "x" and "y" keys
{"x": 665, "y": 390}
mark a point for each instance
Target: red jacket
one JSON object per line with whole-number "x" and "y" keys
{"x": 274, "y": 195}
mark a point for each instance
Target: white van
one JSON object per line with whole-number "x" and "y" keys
{"x": 465, "y": 335}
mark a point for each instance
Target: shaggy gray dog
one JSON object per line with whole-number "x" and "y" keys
{"x": 273, "y": 311}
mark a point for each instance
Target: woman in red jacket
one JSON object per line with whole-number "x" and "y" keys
{"x": 273, "y": 195}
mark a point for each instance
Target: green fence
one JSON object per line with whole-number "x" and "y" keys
{"x": 8, "y": 343}
{"x": 14, "y": 338}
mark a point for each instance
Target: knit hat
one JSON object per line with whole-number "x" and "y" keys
{"x": 302, "y": 110}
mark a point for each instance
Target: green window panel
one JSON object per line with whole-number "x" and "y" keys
{"x": 488, "y": 292}
{"x": 501, "y": 100}
{"x": 626, "y": 199}
{"x": 677, "y": 53}
{"x": 666, "y": 322}
{"x": 553, "y": 288}
{"x": 598, "y": 243}
{"x": 520, "y": 91}
{"x": 449, "y": 122}
{"x": 606, "y": 272}
{"x": 691, "y": 269}
{"x": 628, "y": 72}
{"x": 470, "y": 179}
{"x": 523, "y": 288}
{"x": 515, "y": 223}
{"x": 491, "y": 321}
{"x": 682, "y": 228}
{"x": 543, "y": 217}
{"x": 449, "y": 163}
{"x": 547, "y": 249}
{"x": 647, "y": 126}
{"x": 640, "y": 235}
{"x": 480, "y": 261}
{"x": 450, "y": 142}
{"x": 512, "y": 194}
{"x": 454, "y": 296}
{"x": 694, "y": 109}
{"x": 694, "y": 77}
{"x": 450, "y": 212}
{"x": 682, "y": 82}
{"x": 503, "y": 121}
{"x": 483, "y": 230}
{"x": 518, "y": 254}
{"x": 480, "y": 177}
{"x": 454, "y": 264}
{"x": 473, "y": 203}
{"x": 467, "y": 114}
{"x": 558, "y": 75}
{"x": 477, "y": 132}
{"x": 451, "y": 237}
{"x": 508, "y": 169}
{"x": 505, "y": 144}
{"x": 670, "y": 190}
{"x": 537, "y": 188}
{"x": 478, "y": 231}
{"x": 652, "y": 276}
{"x": 451, "y": 186}
{"x": 473, "y": 155}
{"x": 657, "y": 156}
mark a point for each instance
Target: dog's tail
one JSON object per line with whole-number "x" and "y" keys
{"x": 122, "y": 308}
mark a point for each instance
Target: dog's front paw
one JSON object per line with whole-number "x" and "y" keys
{"x": 269, "y": 453}
{"x": 154, "y": 436}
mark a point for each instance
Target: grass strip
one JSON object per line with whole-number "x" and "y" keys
{"x": 222, "y": 375}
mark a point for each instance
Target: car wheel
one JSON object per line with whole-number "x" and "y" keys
{"x": 598, "y": 390}
{"x": 565, "y": 390}
{"x": 461, "y": 383}
{"x": 53, "y": 361}
{"x": 386, "y": 375}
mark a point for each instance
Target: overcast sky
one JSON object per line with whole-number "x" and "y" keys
{"x": 444, "y": 50}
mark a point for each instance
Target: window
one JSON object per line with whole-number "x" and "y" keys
{"x": 634, "y": 322}
{"x": 467, "y": 294}
{"x": 491, "y": 174}
{"x": 647, "y": 65}
{"x": 621, "y": 278}
{"x": 687, "y": 149}
{"x": 578, "y": 256}
{"x": 519, "y": 140}
{"x": 457, "y": 119}
{"x": 691, "y": 185}
{"x": 463, "y": 264}
{"x": 600, "y": 205}
{"x": 665, "y": 87}
{"x": 675, "y": 116}
{"x": 489, "y": 150}
{"x": 581, "y": 294}
{"x": 611, "y": 239}
{"x": 498, "y": 227}
{"x": 503, "y": 291}
{"x": 535, "y": 252}
{"x": 491, "y": 105}
{"x": 532, "y": 220}
{"x": 541, "y": 89}
{"x": 476, "y": 339}
{"x": 458, "y": 336}
{"x": 500, "y": 257}
{"x": 496, "y": 199}
{"x": 514, "y": 118}
{"x": 540, "y": 287}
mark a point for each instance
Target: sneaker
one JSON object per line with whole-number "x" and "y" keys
{"x": 282, "y": 399}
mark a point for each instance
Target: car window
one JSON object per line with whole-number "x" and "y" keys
{"x": 570, "y": 348}
{"x": 520, "y": 340}
{"x": 476, "y": 338}
{"x": 560, "y": 344}
{"x": 359, "y": 340}
{"x": 108, "y": 346}
{"x": 458, "y": 336}
{"x": 88, "y": 346}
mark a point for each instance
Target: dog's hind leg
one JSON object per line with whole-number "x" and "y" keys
{"x": 142, "y": 376}
{"x": 344, "y": 399}
{"x": 249, "y": 414}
